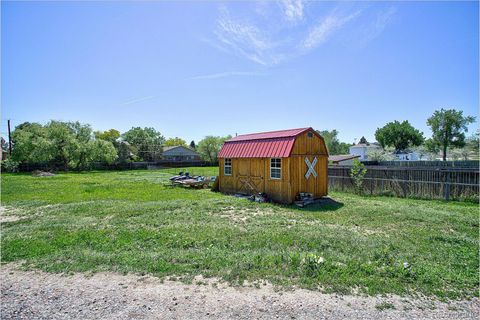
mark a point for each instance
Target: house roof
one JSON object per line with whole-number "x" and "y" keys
{"x": 366, "y": 145}
{"x": 170, "y": 148}
{"x": 342, "y": 157}
{"x": 186, "y": 150}
{"x": 273, "y": 144}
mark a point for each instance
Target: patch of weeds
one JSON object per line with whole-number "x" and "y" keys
{"x": 311, "y": 264}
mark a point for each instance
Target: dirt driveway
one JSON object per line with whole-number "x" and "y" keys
{"x": 40, "y": 295}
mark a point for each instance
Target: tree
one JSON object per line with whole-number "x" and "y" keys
{"x": 210, "y": 146}
{"x": 448, "y": 129}
{"x": 400, "y": 135}
{"x": 172, "y": 142}
{"x": 124, "y": 150}
{"x": 192, "y": 145}
{"x": 334, "y": 146}
{"x": 146, "y": 143}
{"x": 68, "y": 145}
{"x": 363, "y": 140}
{"x": 31, "y": 145}
{"x": 431, "y": 146}
{"x": 111, "y": 135}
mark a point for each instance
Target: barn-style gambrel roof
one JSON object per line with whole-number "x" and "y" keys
{"x": 274, "y": 144}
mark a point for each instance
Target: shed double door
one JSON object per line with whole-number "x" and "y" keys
{"x": 250, "y": 176}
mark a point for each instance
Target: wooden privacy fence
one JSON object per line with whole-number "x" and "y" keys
{"x": 121, "y": 166}
{"x": 419, "y": 182}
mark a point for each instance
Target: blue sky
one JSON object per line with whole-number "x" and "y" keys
{"x": 192, "y": 69}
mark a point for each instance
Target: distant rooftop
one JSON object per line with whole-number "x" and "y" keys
{"x": 342, "y": 157}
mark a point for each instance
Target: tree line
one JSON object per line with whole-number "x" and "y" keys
{"x": 448, "y": 132}
{"x": 76, "y": 146}
{"x": 448, "y": 128}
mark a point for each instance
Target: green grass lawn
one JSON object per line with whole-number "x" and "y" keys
{"x": 129, "y": 221}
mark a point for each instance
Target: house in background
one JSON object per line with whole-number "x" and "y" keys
{"x": 342, "y": 159}
{"x": 363, "y": 149}
{"x": 406, "y": 155}
{"x": 180, "y": 153}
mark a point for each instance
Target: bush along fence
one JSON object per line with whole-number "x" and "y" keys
{"x": 449, "y": 183}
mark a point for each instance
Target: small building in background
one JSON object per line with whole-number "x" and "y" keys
{"x": 342, "y": 159}
{"x": 281, "y": 164}
{"x": 364, "y": 149}
{"x": 180, "y": 153}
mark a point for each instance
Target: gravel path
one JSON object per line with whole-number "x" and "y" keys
{"x": 40, "y": 295}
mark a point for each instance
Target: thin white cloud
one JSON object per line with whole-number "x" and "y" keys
{"x": 372, "y": 27}
{"x": 383, "y": 19}
{"x": 323, "y": 30}
{"x": 246, "y": 39}
{"x": 137, "y": 100}
{"x": 274, "y": 36}
{"x": 293, "y": 9}
{"x": 227, "y": 74}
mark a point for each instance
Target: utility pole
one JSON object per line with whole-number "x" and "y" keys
{"x": 9, "y": 138}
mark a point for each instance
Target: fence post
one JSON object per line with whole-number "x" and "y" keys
{"x": 446, "y": 186}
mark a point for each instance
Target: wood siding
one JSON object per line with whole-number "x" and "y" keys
{"x": 254, "y": 173}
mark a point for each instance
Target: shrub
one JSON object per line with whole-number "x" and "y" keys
{"x": 357, "y": 172}
{"x": 9, "y": 165}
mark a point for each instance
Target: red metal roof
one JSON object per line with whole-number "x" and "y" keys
{"x": 274, "y": 144}
{"x": 270, "y": 135}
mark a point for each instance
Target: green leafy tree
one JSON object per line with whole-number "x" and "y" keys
{"x": 400, "y": 135}
{"x": 332, "y": 142}
{"x": 147, "y": 143}
{"x": 448, "y": 129}
{"x": 432, "y": 146}
{"x": 31, "y": 145}
{"x": 210, "y": 146}
{"x": 68, "y": 145}
{"x": 192, "y": 145}
{"x": 111, "y": 135}
{"x": 172, "y": 142}
{"x": 124, "y": 150}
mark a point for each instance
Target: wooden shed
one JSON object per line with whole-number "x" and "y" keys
{"x": 279, "y": 163}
